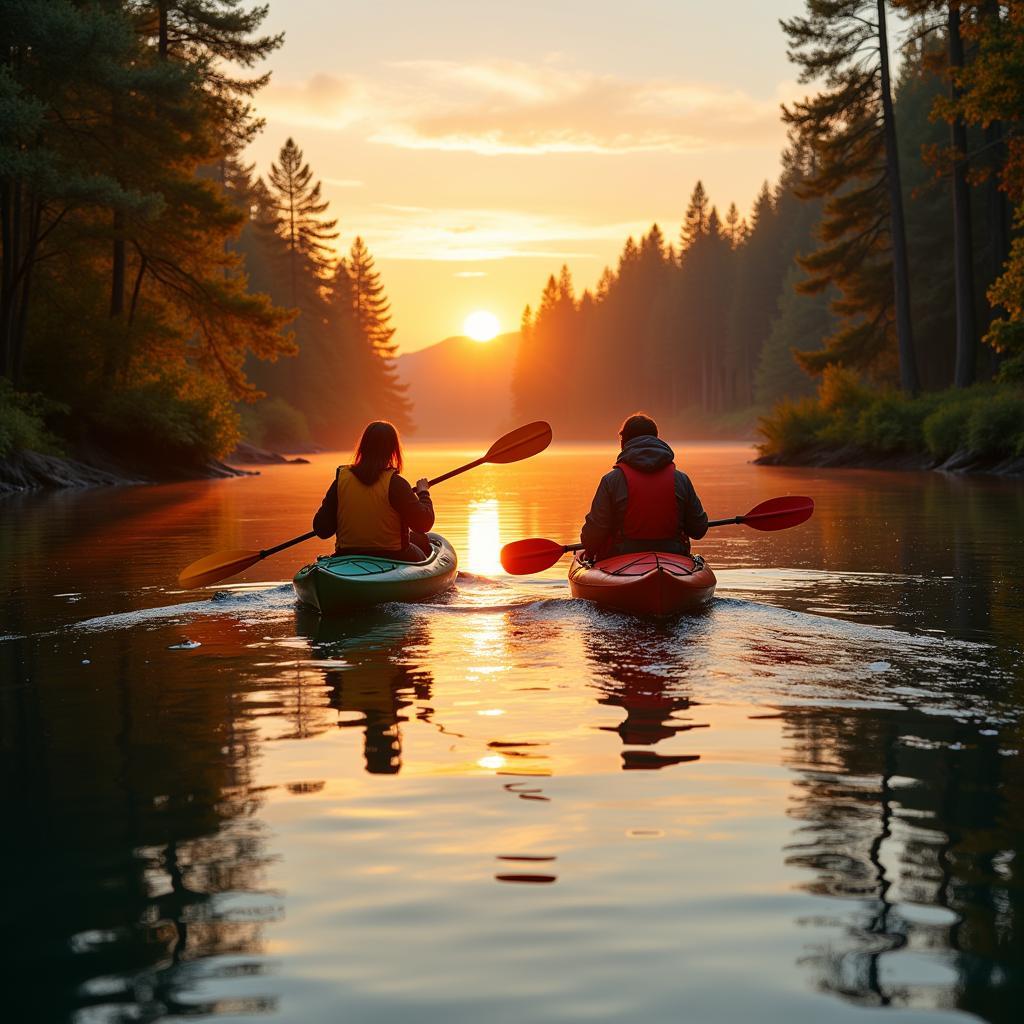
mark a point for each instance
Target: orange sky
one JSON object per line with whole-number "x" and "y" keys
{"x": 478, "y": 146}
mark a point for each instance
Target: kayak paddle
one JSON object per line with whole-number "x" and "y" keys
{"x": 516, "y": 445}
{"x": 522, "y": 557}
{"x": 773, "y": 514}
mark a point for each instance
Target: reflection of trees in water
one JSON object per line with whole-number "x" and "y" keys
{"x": 651, "y": 691}
{"x": 902, "y": 811}
{"x": 374, "y": 678}
{"x": 130, "y": 819}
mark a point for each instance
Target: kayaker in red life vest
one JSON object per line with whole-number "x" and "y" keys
{"x": 370, "y": 509}
{"x": 644, "y": 503}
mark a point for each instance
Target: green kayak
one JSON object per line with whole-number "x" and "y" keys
{"x": 335, "y": 584}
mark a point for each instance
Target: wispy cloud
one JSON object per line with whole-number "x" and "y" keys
{"x": 496, "y": 107}
{"x": 321, "y": 101}
{"x": 345, "y": 182}
{"x": 478, "y": 235}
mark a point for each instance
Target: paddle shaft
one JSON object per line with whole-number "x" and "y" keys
{"x": 287, "y": 544}
{"x": 456, "y": 472}
{"x": 726, "y": 522}
{"x": 715, "y": 522}
{"x": 734, "y": 521}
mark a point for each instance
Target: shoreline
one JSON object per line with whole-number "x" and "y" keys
{"x": 27, "y": 472}
{"x": 963, "y": 462}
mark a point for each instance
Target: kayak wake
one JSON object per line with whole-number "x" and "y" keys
{"x": 270, "y": 601}
{"x": 245, "y": 601}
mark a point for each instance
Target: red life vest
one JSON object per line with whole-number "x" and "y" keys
{"x": 651, "y": 512}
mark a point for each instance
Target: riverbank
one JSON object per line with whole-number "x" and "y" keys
{"x": 855, "y": 457}
{"x": 849, "y": 424}
{"x": 27, "y": 470}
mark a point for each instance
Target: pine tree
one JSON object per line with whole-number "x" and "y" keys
{"x": 110, "y": 219}
{"x": 850, "y": 127}
{"x": 371, "y": 312}
{"x": 944, "y": 16}
{"x": 704, "y": 281}
{"x": 214, "y": 37}
{"x": 735, "y": 227}
{"x": 992, "y": 96}
{"x": 55, "y": 141}
{"x": 187, "y": 44}
{"x": 299, "y": 206}
{"x": 695, "y": 224}
{"x": 801, "y": 322}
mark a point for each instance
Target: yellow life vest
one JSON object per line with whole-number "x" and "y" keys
{"x": 365, "y": 516}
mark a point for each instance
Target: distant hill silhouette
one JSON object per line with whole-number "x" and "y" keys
{"x": 460, "y": 388}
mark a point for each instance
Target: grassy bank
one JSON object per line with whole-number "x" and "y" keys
{"x": 982, "y": 425}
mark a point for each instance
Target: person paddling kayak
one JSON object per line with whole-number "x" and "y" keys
{"x": 370, "y": 509}
{"x": 644, "y": 503}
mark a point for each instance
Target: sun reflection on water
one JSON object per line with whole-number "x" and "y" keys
{"x": 483, "y": 542}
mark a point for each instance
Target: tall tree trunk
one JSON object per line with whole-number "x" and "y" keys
{"x": 998, "y": 208}
{"x": 13, "y": 244}
{"x": 897, "y": 226}
{"x": 7, "y": 261}
{"x": 292, "y": 248}
{"x": 137, "y": 289}
{"x": 963, "y": 255}
{"x": 117, "y": 266}
{"x": 118, "y": 254}
{"x": 20, "y": 325}
{"x": 162, "y": 28}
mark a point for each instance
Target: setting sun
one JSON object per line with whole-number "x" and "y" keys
{"x": 481, "y": 325}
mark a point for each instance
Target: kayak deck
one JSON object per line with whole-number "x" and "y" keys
{"x": 647, "y": 583}
{"x": 336, "y": 584}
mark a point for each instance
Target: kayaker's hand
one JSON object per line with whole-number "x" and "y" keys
{"x": 423, "y": 485}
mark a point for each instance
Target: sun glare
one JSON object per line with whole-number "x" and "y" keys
{"x": 481, "y": 325}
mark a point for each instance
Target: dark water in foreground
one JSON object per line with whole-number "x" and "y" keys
{"x": 804, "y": 805}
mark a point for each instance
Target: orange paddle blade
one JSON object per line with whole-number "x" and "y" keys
{"x": 521, "y": 443}
{"x": 535, "y": 554}
{"x": 216, "y": 567}
{"x": 779, "y": 513}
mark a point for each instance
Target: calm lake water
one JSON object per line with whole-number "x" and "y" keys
{"x": 806, "y": 804}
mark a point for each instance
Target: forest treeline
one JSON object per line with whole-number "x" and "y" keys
{"x": 151, "y": 284}
{"x": 880, "y": 266}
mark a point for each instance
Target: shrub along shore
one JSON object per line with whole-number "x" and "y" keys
{"x": 976, "y": 429}
{"x": 35, "y": 456}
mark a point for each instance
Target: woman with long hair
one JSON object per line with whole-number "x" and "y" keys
{"x": 370, "y": 509}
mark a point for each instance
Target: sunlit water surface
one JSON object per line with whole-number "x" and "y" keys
{"x": 806, "y": 804}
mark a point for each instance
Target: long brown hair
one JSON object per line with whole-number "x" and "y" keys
{"x": 379, "y": 449}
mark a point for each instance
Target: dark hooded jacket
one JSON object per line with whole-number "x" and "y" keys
{"x": 601, "y": 532}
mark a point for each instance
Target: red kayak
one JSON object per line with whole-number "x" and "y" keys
{"x": 649, "y": 583}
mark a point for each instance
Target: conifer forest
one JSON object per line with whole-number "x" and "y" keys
{"x": 158, "y": 291}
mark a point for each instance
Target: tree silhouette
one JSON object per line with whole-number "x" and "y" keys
{"x": 371, "y": 313}
{"x": 850, "y": 126}
{"x": 299, "y": 205}
{"x": 695, "y": 223}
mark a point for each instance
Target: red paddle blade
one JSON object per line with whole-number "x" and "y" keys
{"x": 521, "y": 443}
{"x": 535, "y": 554}
{"x": 779, "y": 513}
